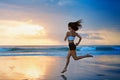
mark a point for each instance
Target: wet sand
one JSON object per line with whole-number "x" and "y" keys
{"x": 49, "y": 68}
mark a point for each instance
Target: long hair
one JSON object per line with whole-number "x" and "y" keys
{"x": 75, "y": 25}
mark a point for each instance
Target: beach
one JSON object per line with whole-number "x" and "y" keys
{"x": 102, "y": 67}
{"x": 39, "y": 37}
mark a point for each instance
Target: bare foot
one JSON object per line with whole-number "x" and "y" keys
{"x": 64, "y": 70}
{"x": 88, "y": 55}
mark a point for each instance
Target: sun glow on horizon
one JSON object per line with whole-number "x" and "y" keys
{"x": 28, "y": 29}
{"x": 23, "y": 33}
{"x": 17, "y": 27}
{"x": 28, "y": 33}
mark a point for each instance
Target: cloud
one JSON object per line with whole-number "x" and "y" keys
{"x": 36, "y": 3}
{"x": 100, "y": 37}
{"x": 95, "y": 36}
{"x": 21, "y": 33}
{"x": 65, "y": 2}
{"x": 54, "y": 16}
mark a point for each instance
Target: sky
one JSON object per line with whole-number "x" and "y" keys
{"x": 44, "y": 22}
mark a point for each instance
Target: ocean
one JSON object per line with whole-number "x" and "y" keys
{"x": 47, "y": 62}
{"x": 58, "y": 50}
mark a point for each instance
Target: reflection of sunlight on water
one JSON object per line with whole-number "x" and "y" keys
{"x": 28, "y": 68}
{"x": 48, "y": 68}
{"x": 33, "y": 73}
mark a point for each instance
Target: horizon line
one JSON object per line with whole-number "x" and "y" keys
{"x": 56, "y": 45}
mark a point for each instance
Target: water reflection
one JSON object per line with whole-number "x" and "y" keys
{"x": 64, "y": 77}
{"x": 26, "y": 67}
{"x": 49, "y": 68}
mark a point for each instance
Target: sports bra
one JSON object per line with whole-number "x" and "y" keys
{"x": 71, "y": 38}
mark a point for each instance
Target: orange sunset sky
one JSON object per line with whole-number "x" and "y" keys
{"x": 44, "y": 22}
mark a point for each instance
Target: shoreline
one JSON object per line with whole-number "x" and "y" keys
{"x": 50, "y": 67}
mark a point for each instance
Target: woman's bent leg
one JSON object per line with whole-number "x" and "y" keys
{"x": 73, "y": 53}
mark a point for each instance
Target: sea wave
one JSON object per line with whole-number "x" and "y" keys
{"x": 61, "y": 48}
{"x": 33, "y": 49}
{"x": 99, "y": 48}
{"x": 87, "y": 48}
{"x": 116, "y": 47}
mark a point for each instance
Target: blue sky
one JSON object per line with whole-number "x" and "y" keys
{"x": 99, "y": 17}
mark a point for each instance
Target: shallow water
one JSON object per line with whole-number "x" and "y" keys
{"x": 105, "y": 67}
